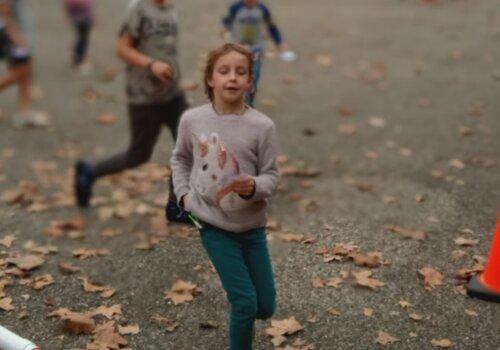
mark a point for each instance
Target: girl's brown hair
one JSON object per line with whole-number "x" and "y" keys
{"x": 214, "y": 55}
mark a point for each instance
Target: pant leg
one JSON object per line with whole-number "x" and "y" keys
{"x": 145, "y": 127}
{"x": 172, "y": 111}
{"x": 225, "y": 252}
{"x": 258, "y": 262}
{"x": 257, "y": 67}
{"x": 82, "y": 41}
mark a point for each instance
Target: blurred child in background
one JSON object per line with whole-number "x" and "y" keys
{"x": 14, "y": 48}
{"x": 247, "y": 21}
{"x": 81, "y": 14}
{"x": 148, "y": 45}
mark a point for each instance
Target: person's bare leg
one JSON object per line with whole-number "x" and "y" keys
{"x": 21, "y": 75}
{"x": 25, "y": 82}
{"x": 12, "y": 78}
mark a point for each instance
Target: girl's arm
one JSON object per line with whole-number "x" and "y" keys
{"x": 126, "y": 50}
{"x": 10, "y": 26}
{"x": 266, "y": 181}
{"x": 182, "y": 160}
{"x": 228, "y": 19}
{"x": 272, "y": 27}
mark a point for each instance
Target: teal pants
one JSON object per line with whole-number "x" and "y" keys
{"x": 244, "y": 267}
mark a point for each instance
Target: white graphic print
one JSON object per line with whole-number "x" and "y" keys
{"x": 214, "y": 171}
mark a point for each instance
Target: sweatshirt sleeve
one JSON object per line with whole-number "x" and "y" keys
{"x": 182, "y": 159}
{"x": 271, "y": 26}
{"x": 266, "y": 181}
{"x": 228, "y": 19}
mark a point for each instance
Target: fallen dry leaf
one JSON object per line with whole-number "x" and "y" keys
{"x": 368, "y": 312}
{"x": 279, "y": 328}
{"x": 41, "y": 282}
{"x": 181, "y": 292}
{"x": 77, "y": 323}
{"x": 67, "y": 269}
{"x": 106, "y": 118}
{"x": 384, "y": 338}
{"x": 465, "y": 130}
{"x": 3, "y": 284}
{"x": 370, "y": 259}
{"x": 312, "y": 318}
{"x": 432, "y": 278}
{"x": 415, "y": 317}
{"x": 345, "y": 111}
{"x": 437, "y": 174}
{"x": 57, "y": 228}
{"x": 407, "y": 233}
{"x": 377, "y": 122}
{"x": 456, "y": 163}
{"x": 131, "y": 329}
{"x": 110, "y": 232}
{"x": 25, "y": 194}
{"x": 170, "y": 324}
{"x": 404, "y": 304}
{"x": 106, "y": 337}
{"x": 334, "y": 312}
{"x": 461, "y": 241}
{"x": 268, "y": 102}
{"x": 289, "y": 80}
{"x": 441, "y": 343}
{"x": 298, "y": 171}
{"x": 329, "y": 282}
{"x": 363, "y": 279}
{"x": 344, "y": 249}
{"x": 7, "y": 240}
{"x": 6, "y": 304}
{"x": 471, "y": 313}
{"x": 406, "y": 152}
{"x": 324, "y": 60}
{"x": 108, "y": 311}
{"x": 290, "y": 237}
{"x": 26, "y": 262}
{"x": 347, "y": 129}
{"x": 106, "y": 291}
{"x": 85, "y": 253}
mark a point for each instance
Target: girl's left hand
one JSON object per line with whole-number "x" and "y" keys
{"x": 244, "y": 186}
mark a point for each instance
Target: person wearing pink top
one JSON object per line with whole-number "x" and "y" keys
{"x": 81, "y": 14}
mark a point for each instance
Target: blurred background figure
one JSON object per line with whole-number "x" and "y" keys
{"x": 246, "y": 22}
{"x": 148, "y": 45}
{"x": 81, "y": 15}
{"x": 14, "y": 48}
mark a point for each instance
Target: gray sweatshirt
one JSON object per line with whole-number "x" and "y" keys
{"x": 214, "y": 150}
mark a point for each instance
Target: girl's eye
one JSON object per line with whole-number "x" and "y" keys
{"x": 223, "y": 70}
{"x": 241, "y": 71}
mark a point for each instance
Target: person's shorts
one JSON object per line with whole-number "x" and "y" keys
{"x": 14, "y": 55}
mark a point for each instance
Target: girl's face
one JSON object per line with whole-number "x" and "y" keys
{"x": 231, "y": 78}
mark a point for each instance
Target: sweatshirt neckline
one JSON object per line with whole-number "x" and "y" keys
{"x": 229, "y": 115}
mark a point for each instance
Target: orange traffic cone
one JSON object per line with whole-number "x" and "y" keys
{"x": 486, "y": 286}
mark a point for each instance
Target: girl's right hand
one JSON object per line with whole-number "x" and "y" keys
{"x": 184, "y": 201}
{"x": 162, "y": 71}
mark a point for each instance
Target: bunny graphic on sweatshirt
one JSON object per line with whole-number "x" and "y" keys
{"x": 214, "y": 171}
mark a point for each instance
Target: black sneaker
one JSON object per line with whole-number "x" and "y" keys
{"x": 84, "y": 179}
{"x": 174, "y": 213}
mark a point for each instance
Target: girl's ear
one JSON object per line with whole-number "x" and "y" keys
{"x": 210, "y": 82}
